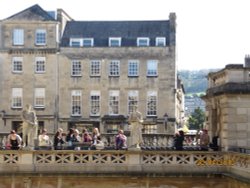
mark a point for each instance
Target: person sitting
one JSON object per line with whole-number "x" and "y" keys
{"x": 120, "y": 140}
{"x": 58, "y": 139}
{"x": 14, "y": 140}
{"x": 43, "y": 140}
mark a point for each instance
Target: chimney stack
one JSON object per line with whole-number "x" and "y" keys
{"x": 247, "y": 61}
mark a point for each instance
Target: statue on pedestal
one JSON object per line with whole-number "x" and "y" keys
{"x": 29, "y": 126}
{"x": 135, "y": 121}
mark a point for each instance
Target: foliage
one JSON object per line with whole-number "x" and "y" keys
{"x": 197, "y": 119}
{"x": 195, "y": 81}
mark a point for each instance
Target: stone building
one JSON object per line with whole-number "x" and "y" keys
{"x": 88, "y": 73}
{"x": 228, "y": 105}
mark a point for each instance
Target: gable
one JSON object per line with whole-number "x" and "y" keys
{"x": 34, "y": 13}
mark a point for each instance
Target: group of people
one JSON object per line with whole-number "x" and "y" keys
{"x": 203, "y": 138}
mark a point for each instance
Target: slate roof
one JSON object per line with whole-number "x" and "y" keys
{"x": 127, "y": 30}
{"x": 34, "y": 12}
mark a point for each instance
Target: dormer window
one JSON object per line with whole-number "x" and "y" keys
{"x": 75, "y": 42}
{"x": 160, "y": 41}
{"x": 115, "y": 42}
{"x": 87, "y": 42}
{"x": 142, "y": 41}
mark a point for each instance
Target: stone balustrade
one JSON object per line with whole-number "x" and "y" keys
{"x": 124, "y": 162}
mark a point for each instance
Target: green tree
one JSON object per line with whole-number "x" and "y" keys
{"x": 196, "y": 119}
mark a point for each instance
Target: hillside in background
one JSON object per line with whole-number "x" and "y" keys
{"x": 195, "y": 81}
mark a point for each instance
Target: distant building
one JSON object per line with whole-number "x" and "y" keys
{"x": 192, "y": 103}
{"x": 89, "y": 73}
{"x": 228, "y": 105}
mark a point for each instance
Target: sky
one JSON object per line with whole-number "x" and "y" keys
{"x": 210, "y": 33}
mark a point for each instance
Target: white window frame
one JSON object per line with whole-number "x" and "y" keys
{"x": 17, "y": 98}
{"x": 40, "y": 63}
{"x": 75, "y": 40}
{"x": 114, "y": 68}
{"x": 95, "y": 103}
{"x": 152, "y": 68}
{"x": 17, "y": 64}
{"x": 133, "y": 68}
{"x": 152, "y": 103}
{"x": 114, "y": 102}
{"x": 160, "y": 41}
{"x": 41, "y": 37}
{"x": 18, "y": 37}
{"x": 76, "y": 101}
{"x": 95, "y": 68}
{"x": 88, "y": 39}
{"x": 133, "y": 100}
{"x": 142, "y": 39}
{"x": 114, "y": 39}
{"x": 76, "y": 68}
{"x": 39, "y": 100}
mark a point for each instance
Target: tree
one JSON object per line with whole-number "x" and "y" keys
{"x": 196, "y": 119}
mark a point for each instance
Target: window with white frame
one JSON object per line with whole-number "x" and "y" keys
{"x": 151, "y": 103}
{"x": 95, "y": 103}
{"x": 76, "y": 100}
{"x": 133, "y": 98}
{"x": 76, "y": 69}
{"x": 142, "y": 41}
{"x": 114, "y": 41}
{"x": 95, "y": 68}
{"x": 18, "y": 37}
{"x": 133, "y": 68}
{"x": 114, "y": 68}
{"x": 17, "y": 64}
{"x": 152, "y": 68}
{"x": 75, "y": 42}
{"x": 160, "y": 41}
{"x": 40, "y": 64}
{"x": 113, "y": 102}
{"x": 88, "y": 42}
{"x": 39, "y": 98}
{"x": 17, "y": 97}
{"x": 40, "y": 37}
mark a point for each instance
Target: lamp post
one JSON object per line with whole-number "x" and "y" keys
{"x": 165, "y": 120}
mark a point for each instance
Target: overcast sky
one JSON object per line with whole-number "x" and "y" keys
{"x": 210, "y": 33}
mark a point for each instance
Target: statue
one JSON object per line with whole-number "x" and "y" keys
{"x": 135, "y": 121}
{"x": 29, "y": 126}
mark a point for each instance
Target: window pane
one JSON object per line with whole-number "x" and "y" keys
{"x": 133, "y": 68}
{"x": 40, "y": 65}
{"x": 95, "y": 103}
{"x": 114, "y": 68}
{"x": 88, "y": 42}
{"x": 132, "y": 100}
{"x": 152, "y": 104}
{"x": 17, "y": 64}
{"x": 76, "y": 68}
{"x": 76, "y": 102}
{"x": 17, "y": 95}
{"x": 40, "y": 37}
{"x": 114, "y": 102}
{"x": 39, "y": 97}
{"x": 18, "y": 37}
{"x": 152, "y": 68}
{"x": 95, "y": 68}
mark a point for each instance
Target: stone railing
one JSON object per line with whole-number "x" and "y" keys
{"x": 125, "y": 162}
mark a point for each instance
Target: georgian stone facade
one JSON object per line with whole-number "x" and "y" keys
{"x": 44, "y": 62}
{"x": 228, "y": 106}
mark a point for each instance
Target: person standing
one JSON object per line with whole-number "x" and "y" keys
{"x": 178, "y": 140}
{"x": 43, "y": 140}
{"x": 121, "y": 140}
{"x": 58, "y": 139}
{"x": 204, "y": 140}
